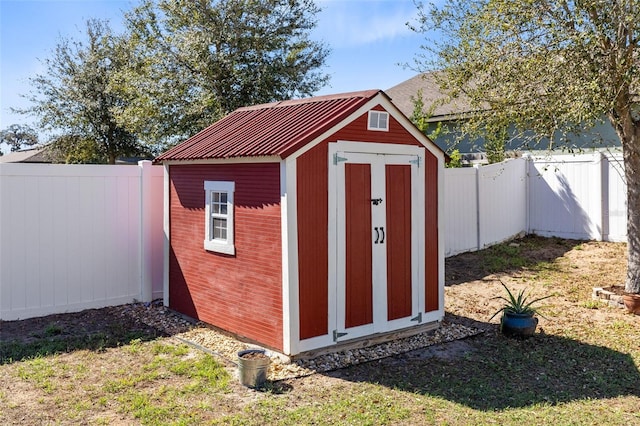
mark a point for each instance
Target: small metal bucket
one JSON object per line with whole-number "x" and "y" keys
{"x": 253, "y": 371}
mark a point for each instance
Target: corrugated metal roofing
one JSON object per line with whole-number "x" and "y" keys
{"x": 275, "y": 129}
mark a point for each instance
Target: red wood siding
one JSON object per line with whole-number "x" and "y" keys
{"x": 313, "y": 245}
{"x": 312, "y": 217}
{"x": 357, "y": 131}
{"x": 431, "y": 233}
{"x": 240, "y": 293}
{"x": 358, "y": 280}
{"x": 398, "y": 204}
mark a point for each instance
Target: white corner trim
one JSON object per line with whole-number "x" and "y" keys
{"x": 233, "y": 160}
{"x": 165, "y": 226}
{"x": 374, "y": 148}
{"x": 290, "y": 291}
{"x": 441, "y": 237}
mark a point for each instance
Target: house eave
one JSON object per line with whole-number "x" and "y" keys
{"x": 230, "y": 160}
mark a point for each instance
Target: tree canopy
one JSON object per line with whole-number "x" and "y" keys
{"x": 177, "y": 67}
{"x": 17, "y": 136}
{"x": 547, "y": 68}
{"x": 73, "y": 97}
{"x": 191, "y": 62}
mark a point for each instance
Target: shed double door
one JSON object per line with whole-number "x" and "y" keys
{"x": 378, "y": 221}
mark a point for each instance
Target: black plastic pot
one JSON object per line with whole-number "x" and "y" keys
{"x": 518, "y": 325}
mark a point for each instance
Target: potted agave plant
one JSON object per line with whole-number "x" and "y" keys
{"x": 518, "y": 314}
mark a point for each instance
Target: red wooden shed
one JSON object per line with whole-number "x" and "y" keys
{"x": 305, "y": 223}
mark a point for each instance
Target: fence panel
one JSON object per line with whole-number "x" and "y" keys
{"x": 153, "y": 233}
{"x": 566, "y": 196}
{"x": 617, "y": 200}
{"x": 502, "y": 191}
{"x": 71, "y": 237}
{"x": 484, "y": 205}
{"x": 460, "y": 207}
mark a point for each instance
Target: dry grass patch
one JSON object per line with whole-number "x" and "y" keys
{"x": 582, "y": 367}
{"x": 152, "y": 382}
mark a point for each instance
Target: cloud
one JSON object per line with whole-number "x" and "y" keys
{"x": 344, "y": 23}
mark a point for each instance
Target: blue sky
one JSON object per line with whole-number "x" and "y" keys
{"x": 368, "y": 39}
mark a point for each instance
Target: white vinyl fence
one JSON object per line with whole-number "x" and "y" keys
{"x": 484, "y": 205}
{"x": 568, "y": 196}
{"x": 78, "y": 237}
{"x": 579, "y": 197}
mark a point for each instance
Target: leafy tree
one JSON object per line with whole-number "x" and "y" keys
{"x": 455, "y": 160}
{"x": 420, "y": 117}
{"x": 73, "y": 96}
{"x": 548, "y": 68}
{"x": 191, "y": 62}
{"x": 18, "y": 136}
{"x": 74, "y": 149}
{"x": 494, "y": 145}
{"x": 421, "y": 114}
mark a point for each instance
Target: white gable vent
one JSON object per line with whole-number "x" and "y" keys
{"x": 378, "y": 120}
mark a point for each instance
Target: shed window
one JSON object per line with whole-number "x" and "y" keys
{"x": 219, "y": 216}
{"x": 378, "y": 120}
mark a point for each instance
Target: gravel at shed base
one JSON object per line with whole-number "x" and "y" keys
{"x": 227, "y": 347}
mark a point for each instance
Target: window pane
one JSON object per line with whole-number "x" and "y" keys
{"x": 373, "y": 120}
{"x": 219, "y": 229}
{"x": 223, "y": 197}
{"x": 223, "y": 209}
{"x": 215, "y": 208}
{"x": 215, "y": 197}
{"x": 212, "y": 229}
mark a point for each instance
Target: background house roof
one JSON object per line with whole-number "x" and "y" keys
{"x": 275, "y": 129}
{"x": 402, "y": 96}
{"x": 30, "y": 155}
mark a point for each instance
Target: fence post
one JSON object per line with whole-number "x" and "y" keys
{"x": 2, "y": 289}
{"x": 146, "y": 258}
{"x": 528, "y": 160}
{"x": 604, "y": 197}
{"x": 478, "y": 206}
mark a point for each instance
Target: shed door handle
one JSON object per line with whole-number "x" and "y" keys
{"x": 378, "y": 231}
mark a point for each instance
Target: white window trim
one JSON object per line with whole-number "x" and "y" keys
{"x": 226, "y": 247}
{"x": 378, "y": 129}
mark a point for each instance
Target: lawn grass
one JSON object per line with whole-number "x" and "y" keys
{"x": 152, "y": 382}
{"x": 581, "y": 368}
{"x": 50, "y": 345}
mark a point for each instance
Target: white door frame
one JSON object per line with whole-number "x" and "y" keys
{"x": 342, "y": 152}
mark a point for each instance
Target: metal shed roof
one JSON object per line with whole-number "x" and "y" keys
{"x": 275, "y": 129}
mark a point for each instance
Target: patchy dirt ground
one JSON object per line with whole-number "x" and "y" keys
{"x": 565, "y": 269}
{"x": 111, "y": 322}
{"x": 568, "y": 270}
{"x": 472, "y": 280}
